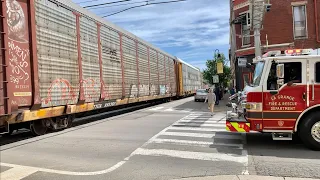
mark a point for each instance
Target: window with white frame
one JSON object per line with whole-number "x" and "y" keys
{"x": 299, "y": 21}
{"x": 245, "y": 30}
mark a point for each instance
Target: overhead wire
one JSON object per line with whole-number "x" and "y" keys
{"x": 113, "y": 2}
{"x": 142, "y": 6}
{"x": 120, "y": 4}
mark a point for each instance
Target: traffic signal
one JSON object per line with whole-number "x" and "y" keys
{"x": 268, "y": 7}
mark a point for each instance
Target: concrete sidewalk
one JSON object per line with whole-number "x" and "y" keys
{"x": 244, "y": 177}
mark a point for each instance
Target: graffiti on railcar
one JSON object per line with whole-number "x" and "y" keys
{"x": 144, "y": 89}
{"x": 162, "y": 89}
{"x": 133, "y": 91}
{"x": 19, "y": 53}
{"x": 153, "y": 90}
{"x": 168, "y": 88}
{"x": 91, "y": 89}
{"x": 60, "y": 92}
{"x": 105, "y": 93}
{"x": 18, "y": 61}
{"x": 16, "y": 21}
{"x": 111, "y": 52}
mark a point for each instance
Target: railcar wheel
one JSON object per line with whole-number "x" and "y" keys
{"x": 310, "y": 131}
{"x": 70, "y": 120}
{"x": 38, "y": 127}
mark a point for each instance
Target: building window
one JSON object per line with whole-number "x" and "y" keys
{"x": 300, "y": 21}
{"x": 317, "y": 72}
{"x": 245, "y": 35}
{"x": 245, "y": 29}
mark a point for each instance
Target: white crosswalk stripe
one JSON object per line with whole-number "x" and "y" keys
{"x": 195, "y": 143}
{"x": 17, "y": 173}
{"x": 197, "y": 137}
{"x": 202, "y": 135}
{"x": 169, "y": 109}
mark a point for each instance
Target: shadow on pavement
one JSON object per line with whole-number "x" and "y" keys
{"x": 263, "y": 145}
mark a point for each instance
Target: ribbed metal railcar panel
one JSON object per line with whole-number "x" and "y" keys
{"x": 143, "y": 70}
{"x": 154, "y": 73}
{"x": 184, "y": 77}
{"x": 172, "y": 79}
{"x": 191, "y": 79}
{"x": 111, "y": 63}
{"x": 162, "y": 69}
{"x": 90, "y": 59}
{"x": 83, "y": 11}
{"x": 57, "y": 54}
{"x": 130, "y": 67}
{"x": 167, "y": 74}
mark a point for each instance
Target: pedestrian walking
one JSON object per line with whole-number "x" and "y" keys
{"x": 217, "y": 94}
{"x": 211, "y": 98}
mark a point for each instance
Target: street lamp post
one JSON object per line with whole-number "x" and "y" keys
{"x": 215, "y": 63}
{"x": 218, "y": 53}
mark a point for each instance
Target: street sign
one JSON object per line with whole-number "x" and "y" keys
{"x": 215, "y": 79}
{"x": 242, "y": 62}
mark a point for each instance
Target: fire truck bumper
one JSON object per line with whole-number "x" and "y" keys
{"x": 234, "y": 123}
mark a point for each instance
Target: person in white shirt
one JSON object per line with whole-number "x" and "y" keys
{"x": 211, "y": 98}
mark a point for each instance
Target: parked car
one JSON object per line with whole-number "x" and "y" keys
{"x": 200, "y": 95}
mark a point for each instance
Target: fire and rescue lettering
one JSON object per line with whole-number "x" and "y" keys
{"x": 282, "y": 103}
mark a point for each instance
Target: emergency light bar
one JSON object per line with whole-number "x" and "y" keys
{"x": 293, "y": 52}
{"x": 289, "y": 52}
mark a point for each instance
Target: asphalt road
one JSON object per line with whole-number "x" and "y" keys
{"x": 172, "y": 140}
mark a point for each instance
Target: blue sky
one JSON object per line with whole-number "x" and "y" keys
{"x": 190, "y": 30}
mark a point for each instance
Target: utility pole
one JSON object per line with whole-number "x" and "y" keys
{"x": 257, "y": 10}
{"x": 233, "y": 47}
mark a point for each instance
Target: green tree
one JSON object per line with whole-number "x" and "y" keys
{"x": 211, "y": 70}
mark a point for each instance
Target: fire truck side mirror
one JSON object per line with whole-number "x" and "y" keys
{"x": 280, "y": 71}
{"x": 280, "y": 82}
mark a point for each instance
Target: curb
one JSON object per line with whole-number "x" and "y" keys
{"x": 243, "y": 177}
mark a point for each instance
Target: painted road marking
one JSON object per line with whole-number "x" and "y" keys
{"x": 17, "y": 173}
{"x": 170, "y": 109}
{"x": 193, "y": 155}
{"x": 156, "y": 108}
{"x": 200, "y": 125}
{"x": 195, "y": 143}
{"x": 25, "y": 171}
{"x": 209, "y": 129}
{"x": 197, "y": 129}
{"x": 209, "y": 121}
{"x": 203, "y": 135}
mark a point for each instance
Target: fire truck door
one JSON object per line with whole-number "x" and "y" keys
{"x": 283, "y": 104}
{"x": 314, "y": 83}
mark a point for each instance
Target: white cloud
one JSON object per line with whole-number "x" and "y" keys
{"x": 189, "y": 30}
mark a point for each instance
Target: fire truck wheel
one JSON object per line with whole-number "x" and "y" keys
{"x": 310, "y": 131}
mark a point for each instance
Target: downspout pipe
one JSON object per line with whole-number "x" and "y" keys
{"x": 316, "y": 20}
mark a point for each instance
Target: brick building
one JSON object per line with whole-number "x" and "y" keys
{"x": 290, "y": 24}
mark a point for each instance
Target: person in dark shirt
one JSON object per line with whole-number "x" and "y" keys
{"x": 217, "y": 93}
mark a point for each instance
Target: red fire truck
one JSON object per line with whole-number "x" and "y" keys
{"x": 283, "y": 99}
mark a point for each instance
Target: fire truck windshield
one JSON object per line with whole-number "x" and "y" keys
{"x": 258, "y": 73}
